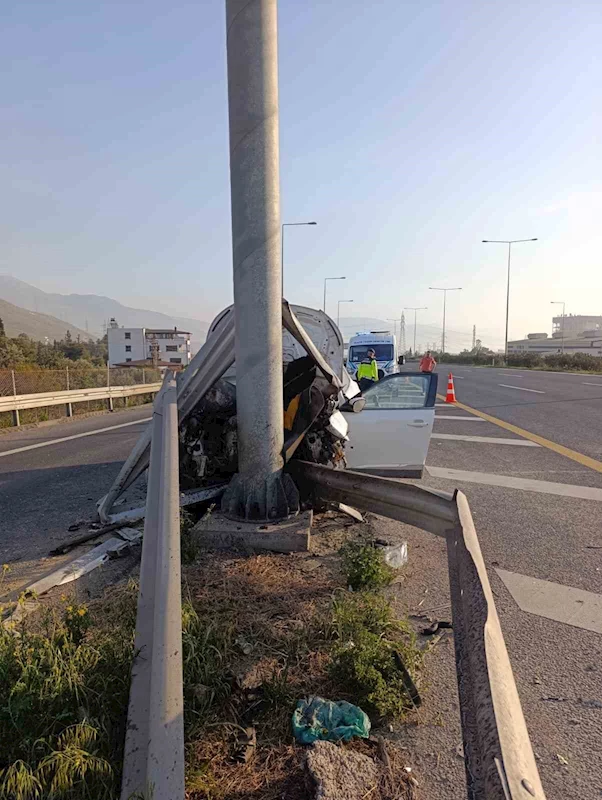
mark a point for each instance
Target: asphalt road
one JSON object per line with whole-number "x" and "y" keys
{"x": 565, "y": 407}
{"x": 538, "y": 514}
{"x": 45, "y": 489}
{"x": 538, "y": 527}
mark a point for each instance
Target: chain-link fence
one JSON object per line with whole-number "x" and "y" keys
{"x": 14, "y": 382}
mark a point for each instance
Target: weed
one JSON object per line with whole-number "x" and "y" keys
{"x": 63, "y": 700}
{"x": 364, "y": 566}
{"x": 189, "y": 542}
{"x": 363, "y": 657}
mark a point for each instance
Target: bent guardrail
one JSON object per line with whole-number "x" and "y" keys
{"x": 153, "y": 763}
{"x": 499, "y": 759}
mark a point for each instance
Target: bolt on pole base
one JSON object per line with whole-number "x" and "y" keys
{"x": 258, "y": 498}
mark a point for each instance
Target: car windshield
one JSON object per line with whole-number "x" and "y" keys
{"x": 384, "y": 352}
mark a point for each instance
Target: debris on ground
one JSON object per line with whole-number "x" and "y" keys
{"x": 396, "y": 555}
{"x": 336, "y": 772}
{"x": 436, "y": 626}
{"x": 316, "y": 718}
{"x": 245, "y": 745}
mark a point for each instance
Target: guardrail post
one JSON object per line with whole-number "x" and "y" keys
{"x": 15, "y": 413}
{"x": 154, "y": 746}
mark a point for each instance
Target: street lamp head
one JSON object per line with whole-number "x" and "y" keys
{"x": 312, "y": 223}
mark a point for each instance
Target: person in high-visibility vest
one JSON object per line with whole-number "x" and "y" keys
{"x": 367, "y": 372}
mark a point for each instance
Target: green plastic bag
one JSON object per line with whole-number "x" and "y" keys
{"x": 317, "y": 718}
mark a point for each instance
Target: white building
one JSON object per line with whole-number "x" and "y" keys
{"x": 571, "y": 334}
{"x": 136, "y": 345}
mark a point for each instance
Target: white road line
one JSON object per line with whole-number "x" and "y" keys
{"x": 70, "y": 438}
{"x": 522, "y": 388}
{"x": 591, "y": 384}
{"x": 459, "y": 377}
{"x": 452, "y": 416}
{"x": 485, "y": 439}
{"x": 555, "y": 601}
{"x": 510, "y": 482}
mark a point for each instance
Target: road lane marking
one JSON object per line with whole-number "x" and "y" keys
{"x": 580, "y": 458}
{"x": 483, "y": 439}
{"x": 458, "y": 377}
{"x": 512, "y": 482}
{"x": 452, "y": 416}
{"x": 522, "y": 388}
{"x": 554, "y": 601}
{"x": 70, "y": 438}
{"x": 591, "y": 384}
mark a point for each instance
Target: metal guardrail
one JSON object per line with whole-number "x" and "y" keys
{"x": 20, "y": 402}
{"x": 499, "y": 759}
{"x": 153, "y": 764}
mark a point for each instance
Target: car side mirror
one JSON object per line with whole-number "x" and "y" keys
{"x": 356, "y": 404}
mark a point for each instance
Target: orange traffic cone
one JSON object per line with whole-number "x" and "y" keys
{"x": 450, "y": 397}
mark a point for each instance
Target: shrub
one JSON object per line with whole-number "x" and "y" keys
{"x": 364, "y": 566}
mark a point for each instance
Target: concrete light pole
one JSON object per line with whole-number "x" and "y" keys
{"x": 445, "y": 291}
{"x": 259, "y": 490}
{"x": 509, "y": 242}
{"x": 283, "y": 226}
{"x": 415, "y": 310}
{"x": 343, "y": 278}
{"x": 339, "y": 309}
{"x": 560, "y": 303}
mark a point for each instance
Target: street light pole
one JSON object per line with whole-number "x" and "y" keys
{"x": 560, "y": 303}
{"x": 445, "y": 291}
{"x": 509, "y": 242}
{"x": 342, "y": 278}
{"x": 339, "y": 309}
{"x": 415, "y": 310}
{"x": 283, "y": 226}
{"x": 260, "y": 489}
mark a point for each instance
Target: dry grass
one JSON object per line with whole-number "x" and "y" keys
{"x": 276, "y": 627}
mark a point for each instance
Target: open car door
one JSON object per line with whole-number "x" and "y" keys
{"x": 391, "y": 435}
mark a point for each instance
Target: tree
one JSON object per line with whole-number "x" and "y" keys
{"x": 2, "y": 331}
{"x": 68, "y": 337}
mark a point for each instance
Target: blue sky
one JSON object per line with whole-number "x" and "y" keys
{"x": 409, "y": 131}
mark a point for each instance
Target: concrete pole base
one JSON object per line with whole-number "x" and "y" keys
{"x": 256, "y": 498}
{"x": 217, "y": 532}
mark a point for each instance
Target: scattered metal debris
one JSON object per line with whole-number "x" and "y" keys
{"x": 436, "y": 626}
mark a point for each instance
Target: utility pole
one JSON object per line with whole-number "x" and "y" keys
{"x": 474, "y": 336}
{"x": 415, "y": 310}
{"x": 402, "y": 334}
{"x": 259, "y": 490}
{"x": 445, "y": 291}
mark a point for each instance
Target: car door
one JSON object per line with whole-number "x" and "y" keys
{"x": 391, "y": 435}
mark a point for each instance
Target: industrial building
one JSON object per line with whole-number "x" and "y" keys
{"x": 571, "y": 333}
{"x": 152, "y": 346}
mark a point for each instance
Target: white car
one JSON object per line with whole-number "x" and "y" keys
{"x": 391, "y": 435}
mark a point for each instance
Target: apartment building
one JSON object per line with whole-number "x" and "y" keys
{"x": 163, "y": 346}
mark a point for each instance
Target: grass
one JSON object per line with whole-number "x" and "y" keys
{"x": 63, "y": 690}
{"x": 258, "y": 634}
{"x": 364, "y": 566}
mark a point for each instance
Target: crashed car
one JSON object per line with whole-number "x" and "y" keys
{"x": 384, "y": 431}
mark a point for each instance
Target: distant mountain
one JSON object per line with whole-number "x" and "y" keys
{"x": 38, "y": 326}
{"x": 92, "y": 311}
